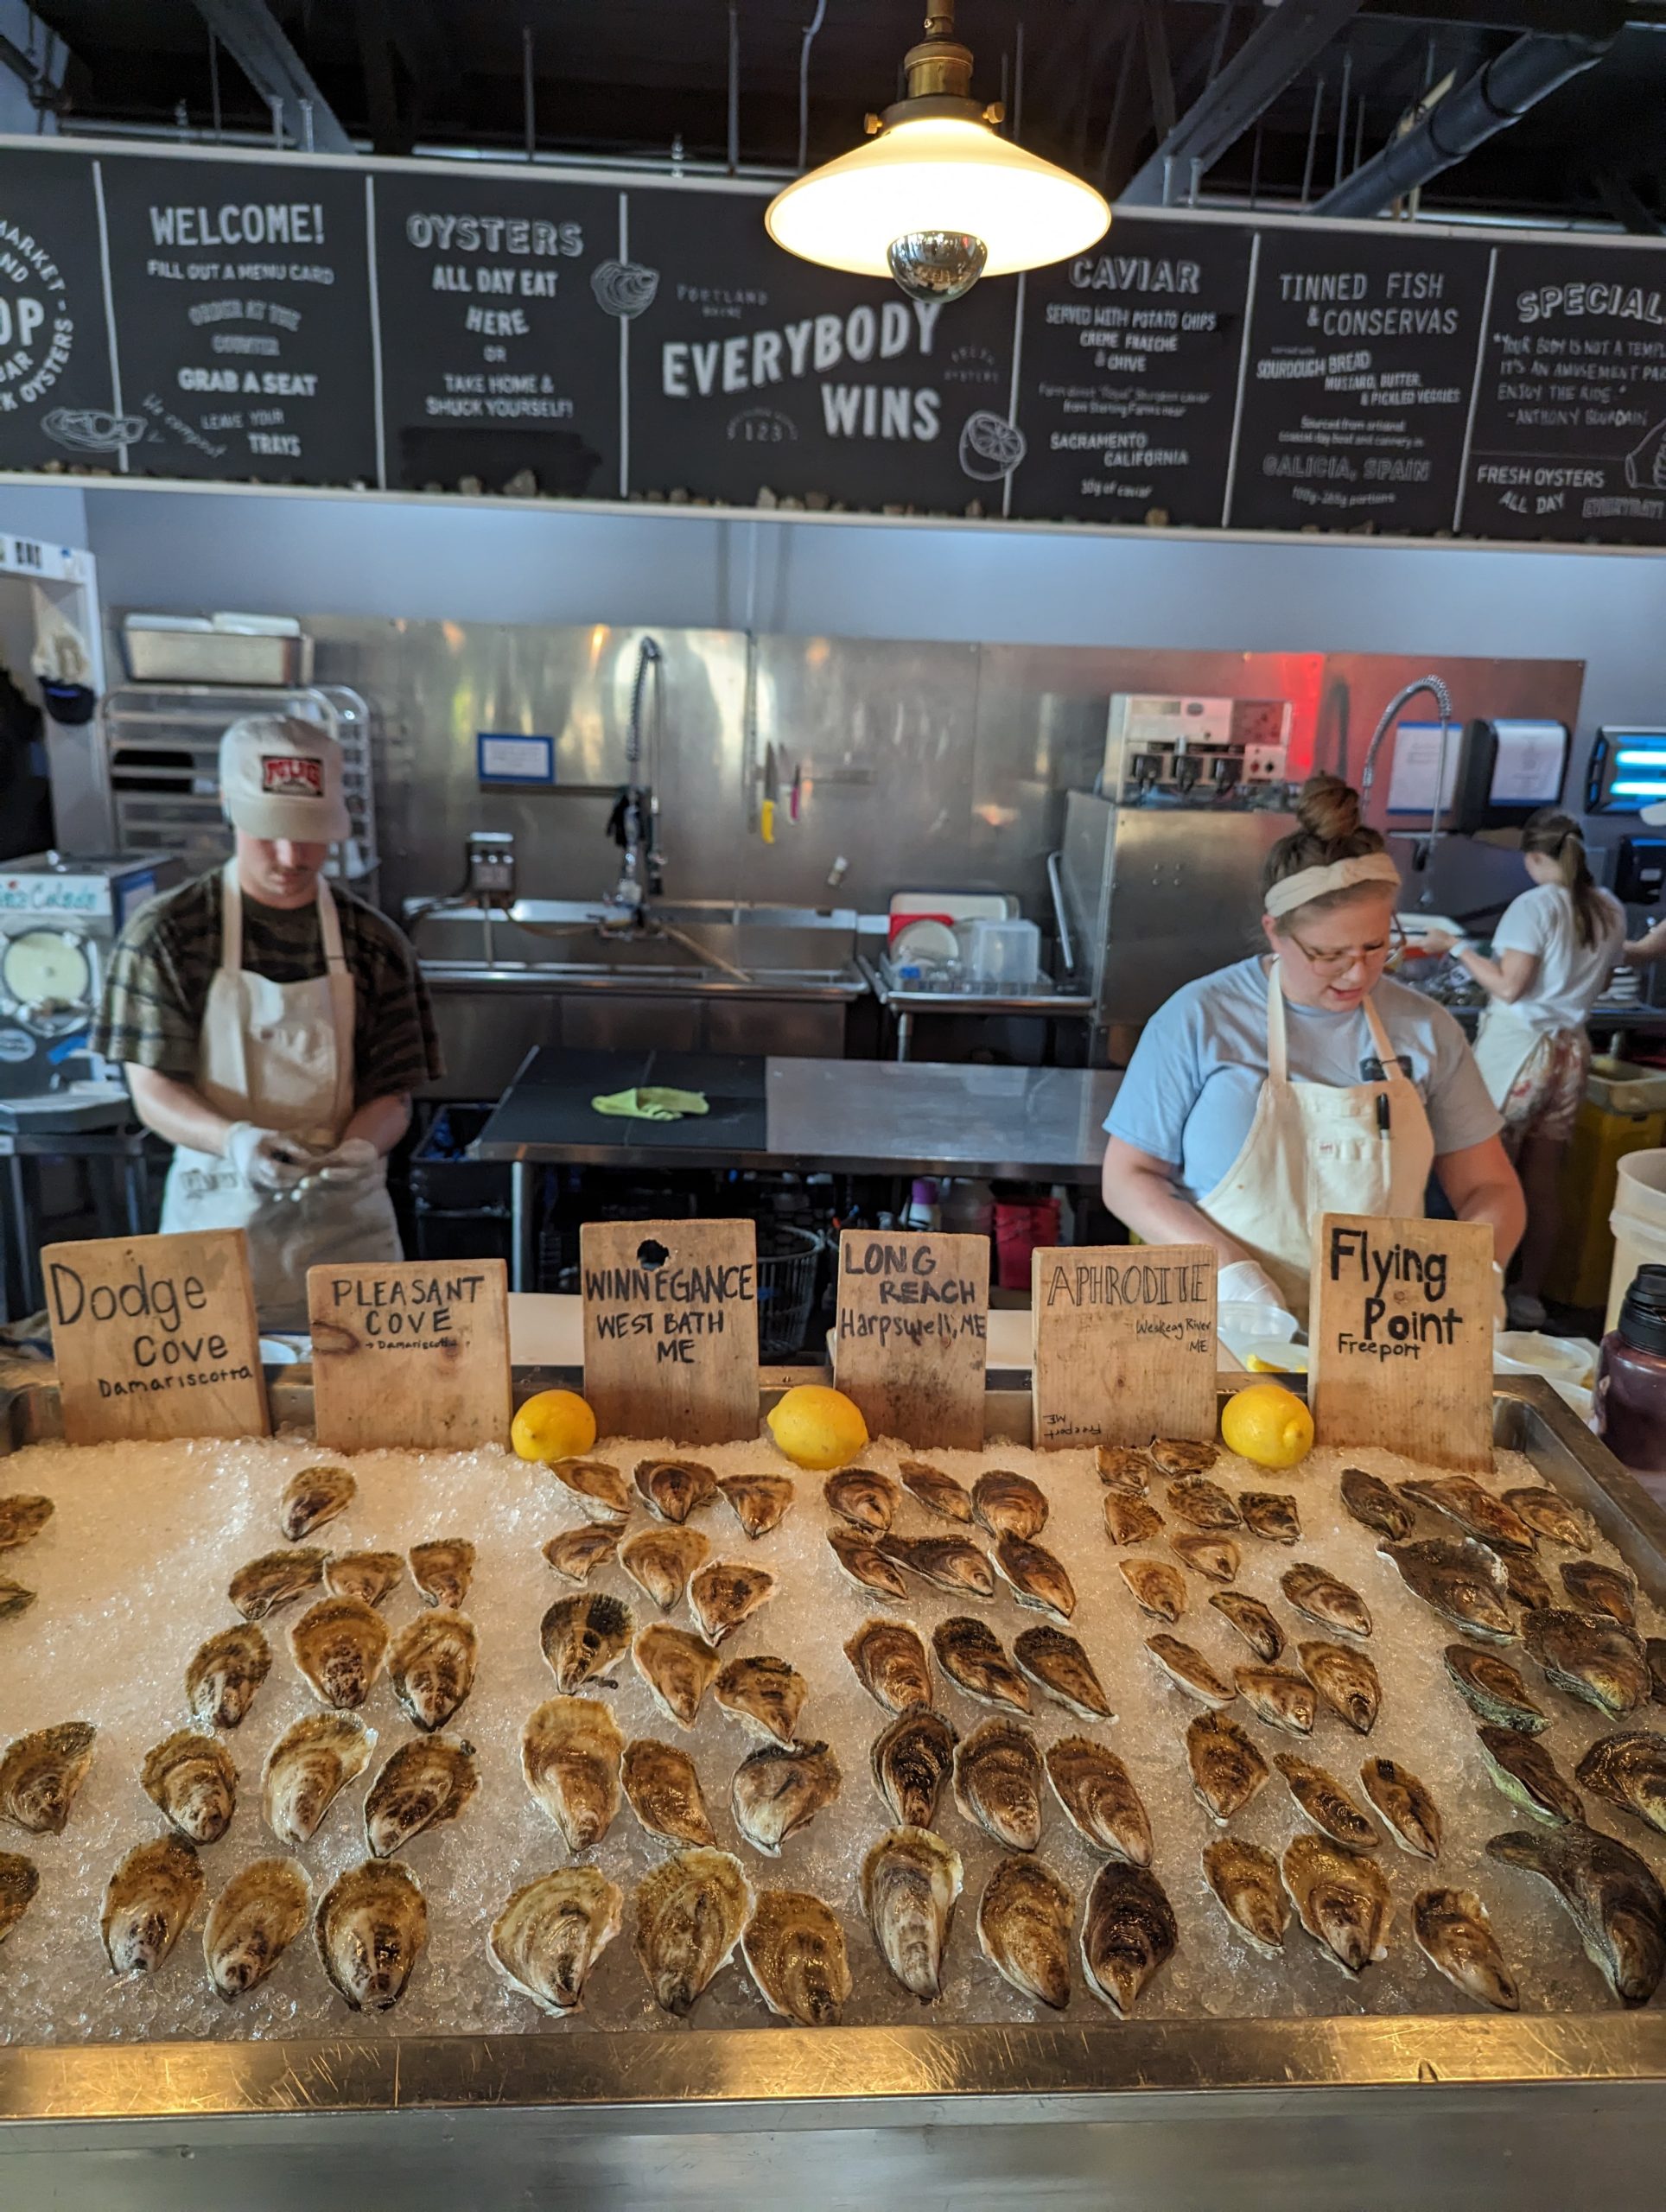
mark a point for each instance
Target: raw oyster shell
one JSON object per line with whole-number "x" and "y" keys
{"x": 861, "y": 1561}
{"x": 660, "y": 1561}
{"x": 1596, "y": 1661}
{"x": 1174, "y": 1456}
{"x": 1464, "y": 1583}
{"x": 910, "y": 1761}
{"x": 1493, "y": 1690}
{"x": 1404, "y": 1807}
{"x": 1189, "y": 1670}
{"x": 1346, "y": 1681}
{"x": 1655, "y": 1654}
{"x": 1023, "y": 1929}
{"x": 147, "y": 1903}
{"x": 672, "y": 1488}
{"x": 222, "y": 1678}
{"x": 1526, "y": 1773}
{"x": 779, "y": 1789}
{"x": 890, "y": 1662}
{"x": 970, "y": 1653}
{"x": 370, "y": 1928}
{"x": 252, "y": 1923}
{"x": 550, "y": 1933}
{"x": 726, "y": 1592}
{"x": 864, "y": 1496}
{"x": 1526, "y": 1586}
{"x": 677, "y": 1667}
{"x": 997, "y": 1777}
{"x": 911, "y": 1880}
{"x": 1279, "y": 1697}
{"x": 1217, "y": 1557}
{"x": 794, "y": 1950}
{"x": 428, "y": 1780}
{"x": 690, "y": 1911}
{"x": 938, "y": 1492}
{"x": 1009, "y": 1504}
{"x": 577, "y": 1553}
{"x": 1594, "y": 1588}
{"x": 1255, "y": 1623}
{"x": 312, "y": 1498}
{"x": 306, "y": 1768}
{"x": 368, "y": 1576}
{"x": 14, "y": 1599}
{"x": 1128, "y": 1932}
{"x": 1158, "y": 1588}
{"x": 1227, "y": 1770}
{"x": 581, "y": 1636}
{"x": 1321, "y": 1597}
{"x": 1630, "y": 1771}
{"x": 1341, "y": 1900}
{"x": 596, "y": 1487}
{"x": 765, "y": 1694}
{"x": 40, "y": 1774}
{"x": 1550, "y": 1515}
{"x": 189, "y": 1777}
{"x": 570, "y": 1751}
{"x": 275, "y": 1578}
{"x": 22, "y": 1519}
{"x": 1121, "y": 1470}
{"x": 1203, "y": 1504}
{"x": 1455, "y": 1937}
{"x": 1245, "y": 1883}
{"x": 1035, "y": 1578}
{"x": 1610, "y": 1895}
{"x": 1326, "y": 1803}
{"x": 442, "y": 1569}
{"x": 1130, "y": 1520}
{"x": 1374, "y": 1505}
{"x": 1475, "y": 1510}
{"x": 663, "y": 1790}
{"x": 431, "y": 1665}
{"x": 758, "y": 1502}
{"x": 1099, "y": 1798}
{"x": 338, "y": 1644}
{"x": 20, "y": 1879}
{"x": 1271, "y": 1515}
{"x": 1059, "y": 1666}
{"x": 950, "y": 1563}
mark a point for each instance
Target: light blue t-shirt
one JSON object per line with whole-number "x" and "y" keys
{"x": 1189, "y": 1095}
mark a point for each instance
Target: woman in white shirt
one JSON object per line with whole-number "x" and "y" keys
{"x": 1552, "y": 952}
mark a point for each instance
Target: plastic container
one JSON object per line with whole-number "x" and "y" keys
{"x": 1001, "y": 956}
{"x": 1629, "y": 1406}
{"x": 1584, "y": 1257}
{"x": 1639, "y": 1223}
{"x": 1623, "y": 1087}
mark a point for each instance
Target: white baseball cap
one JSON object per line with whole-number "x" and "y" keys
{"x": 281, "y": 776}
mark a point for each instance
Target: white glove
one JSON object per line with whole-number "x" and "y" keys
{"x": 354, "y": 1160}
{"x": 1246, "y": 1282}
{"x": 264, "y": 1158}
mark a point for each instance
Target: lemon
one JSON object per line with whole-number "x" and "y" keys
{"x": 555, "y": 1425}
{"x": 817, "y": 1427}
{"x": 1292, "y": 1360}
{"x": 1268, "y": 1424}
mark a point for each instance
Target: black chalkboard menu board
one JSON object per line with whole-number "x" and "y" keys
{"x": 1570, "y": 438}
{"x": 500, "y": 350}
{"x": 1357, "y": 380}
{"x": 241, "y": 292}
{"x": 1130, "y": 359}
{"x": 56, "y": 396}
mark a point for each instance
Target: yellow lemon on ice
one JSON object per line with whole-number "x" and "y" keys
{"x": 817, "y": 1427}
{"x": 1268, "y": 1424}
{"x": 555, "y": 1425}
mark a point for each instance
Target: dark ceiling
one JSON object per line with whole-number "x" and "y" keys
{"x": 1091, "y": 82}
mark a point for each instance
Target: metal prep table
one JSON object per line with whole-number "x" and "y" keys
{"x": 861, "y": 1117}
{"x": 1458, "y": 2112}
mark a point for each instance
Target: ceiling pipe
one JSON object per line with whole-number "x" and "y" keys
{"x": 251, "y": 34}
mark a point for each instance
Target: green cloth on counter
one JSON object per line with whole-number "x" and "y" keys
{"x": 652, "y": 1102}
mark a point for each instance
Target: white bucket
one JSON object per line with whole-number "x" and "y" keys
{"x": 1639, "y": 1222}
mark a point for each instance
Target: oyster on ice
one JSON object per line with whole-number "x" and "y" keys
{"x": 1061, "y": 1669}
{"x": 1009, "y": 1504}
{"x": 1227, "y": 1770}
{"x": 890, "y": 1662}
{"x": 950, "y": 1563}
{"x": 1464, "y": 1583}
{"x": 22, "y": 1519}
{"x": 763, "y": 1694}
{"x": 276, "y": 1579}
{"x": 1099, "y": 1798}
{"x": 428, "y": 1780}
{"x": 1474, "y": 1509}
{"x": 20, "y": 1879}
{"x": 1550, "y": 1515}
{"x": 861, "y": 1563}
{"x": 1130, "y": 1520}
{"x": 1526, "y": 1586}
{"x": 581, "y": 1636}
{"x": 726, "y": 1592}
{"x": 1346, "y": 1681}
{"x": 431, "y": 1665}
{"x": 442, "y": 1569}
{"x": 660, "y": 1561}
{"x": 1493, "y": 1690}
{"x": 690, "y": 1911}
{"x": 910, "y": 1760}
{"x": 596, "y": 1487}
{"x": 14, "y": 1599}
{"x": 314, "y": 1496}
{"x": 672, "y": 1488}
{"x": 1630, "y": 1771}
{"x": 758, "y": 1502}
{"x": 1122, "y": 1471}
{"x": 1594, "y": 1588}
{"x": 1217, "y": 1557}
{"x": 1321, "y": 1597}
{"x": 663, "y": 1790}
{"x": 1244, "y": 1880}
{"x": 570, "y": 1750}
{"x": 1203, "y": 1504}
{"x": 1177, "y": 1456}
{"x": 552, "y": 1932}
{"x": 779, "y": 1789}
{"x": 911, "y": 1880}
{"x": 368, "y": 1576}
{"x": 997, "y": 1778}
{"x": 40, "y": 1774}
{"x": 1255, "y": 1623}
{"x": 1157, "y": 1588}
{"x": 1375, "y": 1506}
{"x": 970, "y": 1653}
{"x": 1325, "y": 1802}
{"x": 1455, "y": 1937}
{"x": 147, "y": 1903}
{"x": 1189, "y": 1670}
{"x": 1527, "y": 1775}
{"x": 189, "y": 1777}
{"x": 864, "y": 1496}
{"x": 938, "y": 1492}
{"x": 1341, "y": 1900}
{"x": 1610, "y": 1896}
{"x": 307, "y": 1768}
{"x": 1276, "y": 1696}
{"x": 252, "y": 1923}
{"x": 1128, "y": 1932}
{"x": 794, "y": 1950}
{"x": 1271, "y": 1515}
{"x": 577, "y": 1553}
{"x": 338, "y": 1644}
{"x": 1024, "y": 1926}
{"x": 1599, "y": 1662}
{"x": 223, "y": 1675}
{"x": 370, "y": 1928}
{"x": 678, "y": 1667}
{"x": 1655, "y": 1655}
{"x": 1404, "y": 1805}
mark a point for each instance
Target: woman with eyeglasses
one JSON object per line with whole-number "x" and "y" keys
{"x": 1303, "y": 1082}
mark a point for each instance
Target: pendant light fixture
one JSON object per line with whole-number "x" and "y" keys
{"x": 936, "y": 198}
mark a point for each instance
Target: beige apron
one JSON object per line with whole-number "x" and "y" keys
{"x": 1503, "y": 1046}
{"x": 280, "y": 1055}
{"x": 1319, "y": 1148}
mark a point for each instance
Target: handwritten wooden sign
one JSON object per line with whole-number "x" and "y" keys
{"x": 1401, "y": 1337}
{"x": 913, "y": 1329}
{"x": 1124, "y": 1343}
{"x": 670, "y": 1328}
{"x": 155, "y": 1336}
{"x": 414, "y": 1355}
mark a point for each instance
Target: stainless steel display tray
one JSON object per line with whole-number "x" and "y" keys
{"x": 1337, "y": 2114}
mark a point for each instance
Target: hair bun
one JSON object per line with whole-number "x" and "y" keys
{"x": 1328, "y": 808}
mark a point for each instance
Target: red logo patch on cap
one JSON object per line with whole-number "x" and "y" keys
{"x": 292, "y": 775}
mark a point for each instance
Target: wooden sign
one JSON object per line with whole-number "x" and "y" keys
{"x": 1401, "y": 1337}
{"x": 913, "y": 1328}
{"x": 670, "y": 1328}
{"x": 412, "y": 1355}
{"x": 1124, "y": 1343}
{"x": 155, "y": 1336}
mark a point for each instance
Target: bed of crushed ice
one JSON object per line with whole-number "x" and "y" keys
{"x": 131, "y": 1575}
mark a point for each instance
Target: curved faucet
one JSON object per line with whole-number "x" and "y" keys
{"x": 634, "y": 813}
{"x": 1442, "y": 698}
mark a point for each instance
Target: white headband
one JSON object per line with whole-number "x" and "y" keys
{"x": 1310, "y": 883}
